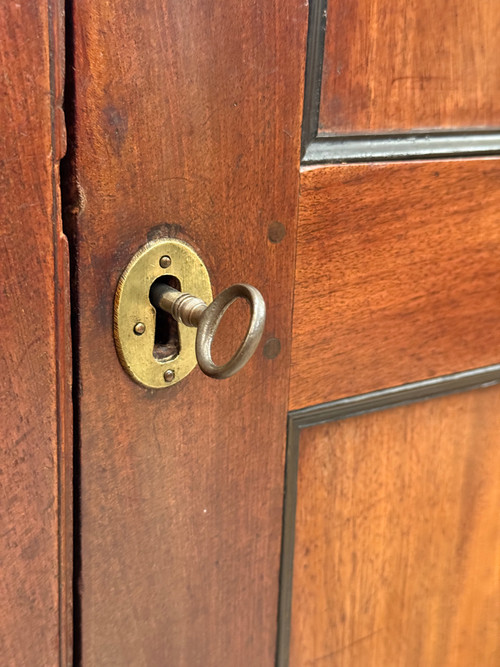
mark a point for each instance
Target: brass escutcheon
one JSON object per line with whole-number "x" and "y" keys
{"x": 135, "y": 316}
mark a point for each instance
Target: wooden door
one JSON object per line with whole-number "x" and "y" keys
{"x": 185, "y": 123}
{"x": 391, "y": 548}
{"x": 336, "y": 502}
{"x": 35, "y": 356}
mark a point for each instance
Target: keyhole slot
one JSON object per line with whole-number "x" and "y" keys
{"x": 167, "y": 343}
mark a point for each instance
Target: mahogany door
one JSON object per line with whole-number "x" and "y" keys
{"x": 391, "y": 547}
{"x": 336, "y": 502}
{"x": 35, "y": 353}
{"x": 186, "y": 122}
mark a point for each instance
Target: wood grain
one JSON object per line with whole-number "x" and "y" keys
{"x": 410, "y": 65}
{"x": 397, "y": 547}
{"x": 35, "y": 425}
{"x": 396, "y": 277}
{"x": 187, "y": 123}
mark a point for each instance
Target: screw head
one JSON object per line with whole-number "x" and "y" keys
{"x": 139, "y": 328}
{"x": 169, "y": 375}
{"x": 165, "y": 262}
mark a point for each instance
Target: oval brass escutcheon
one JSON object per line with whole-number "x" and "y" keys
{"x": 135, "y": 316}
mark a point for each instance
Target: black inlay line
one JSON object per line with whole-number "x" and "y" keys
{"x": 343, "y": 409}
{"x": 314, "y": 71}
{"x": 379, "y": 148}
{"x": 374, "y": 147}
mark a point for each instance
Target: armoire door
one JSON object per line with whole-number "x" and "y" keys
{"x": 340, "y": 159}
{"x": 35, "y": 352}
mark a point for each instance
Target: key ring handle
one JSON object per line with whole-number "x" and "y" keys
{"x": 210, "y": 321}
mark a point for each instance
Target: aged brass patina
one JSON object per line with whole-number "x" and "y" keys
{"x": 145, "y": 291}
{"x": 135, "y": 315}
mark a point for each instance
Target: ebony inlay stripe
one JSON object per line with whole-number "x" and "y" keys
{"x": 314, "y": 71}
{"x": 401, "y": 147}
{"x": 342, "y": 409}
{"x": 373, "y": 147}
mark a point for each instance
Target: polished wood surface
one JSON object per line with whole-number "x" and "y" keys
{"x": 397, "y": 543}
{"x": 396, "y": 277}
{"x": 187, "y": 123}
{"x": 410, "y": 65}
{"x": 34, "y": 366}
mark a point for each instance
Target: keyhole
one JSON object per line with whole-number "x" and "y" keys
{"x": 167, "y": 344}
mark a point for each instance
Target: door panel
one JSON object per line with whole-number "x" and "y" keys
{"x": 35, "y": 363}
{"x": 392, "y": 555}
{"x": 397, "y": 556}
{"x": 187, "y": 124}
{"x": 185, "y": 120}
{"x": 410, "y": 65}
{"x": 395, "y": 276}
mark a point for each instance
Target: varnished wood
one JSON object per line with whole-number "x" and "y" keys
{"x": 187, "y": 123}
{"x": 35, "y": 435}
{"x": 397, "y": 275}
{"x": 410, "y": 65}
{"x": 397, "y": 547}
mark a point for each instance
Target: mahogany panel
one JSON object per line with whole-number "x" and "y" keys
{"x": 410, "y": 65}
{"x": 397, "y": 543}
{"x": 187, "y": 123}
{"x": 396, "y": 277}
{"x": 35, "y": 437}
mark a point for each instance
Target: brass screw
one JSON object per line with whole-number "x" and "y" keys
{"x": 139, "y": 328}
{"x": 165, "y": 262}
{"x": 169, "y": 375}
